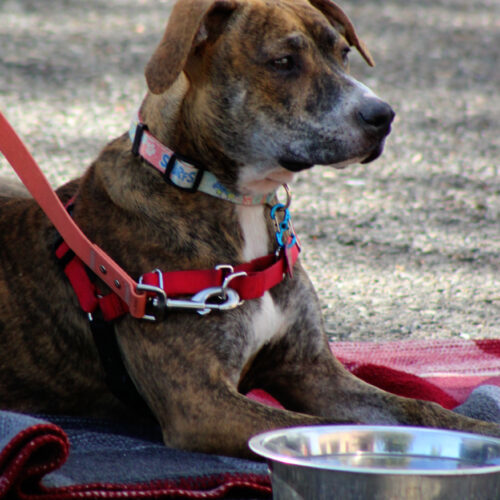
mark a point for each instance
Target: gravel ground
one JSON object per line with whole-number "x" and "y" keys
{"x": 405, "y": 248}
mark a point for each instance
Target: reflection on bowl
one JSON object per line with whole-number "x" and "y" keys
{"x": 380, "y": 463}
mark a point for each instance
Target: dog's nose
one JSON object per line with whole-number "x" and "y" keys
{"x": 376, "y": 116}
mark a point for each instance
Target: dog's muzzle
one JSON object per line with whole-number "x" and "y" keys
{"x": 376, "y": 117}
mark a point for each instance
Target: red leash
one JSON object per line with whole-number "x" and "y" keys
{"x": 247, "y": 281}
{"x": 97, "y": 260}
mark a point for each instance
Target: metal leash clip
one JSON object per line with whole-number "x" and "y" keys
{"x": 226, "y": 297}
{"x": 158, "y": 305}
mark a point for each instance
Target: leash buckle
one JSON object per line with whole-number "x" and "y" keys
{"x": 198, "y": 173}
{"x": 139, "y": 132}
{"x": 226, "y": 298}
{"x": 230, "y": 299}
{"x": 156, "y": 306}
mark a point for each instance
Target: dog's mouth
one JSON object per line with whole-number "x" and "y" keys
{"x": 295, "y": 166}
{"x": 375, "y": 153}
{"x": 298, "y": 164}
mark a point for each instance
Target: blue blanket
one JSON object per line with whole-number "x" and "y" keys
{"x": 70, "y": 457}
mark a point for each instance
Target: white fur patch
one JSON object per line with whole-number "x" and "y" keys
{"x": 263, "y": 178}
{"x": 269, "y": 321}
{"x": 253, "y": 226}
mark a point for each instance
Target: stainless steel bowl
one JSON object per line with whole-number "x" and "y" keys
{"x": 380, "y": 463}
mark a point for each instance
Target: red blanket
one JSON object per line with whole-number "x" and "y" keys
{"x": 443, "y": 371}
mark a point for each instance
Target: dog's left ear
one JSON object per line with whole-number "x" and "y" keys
{"x": 338, "y": 18}
{"x": 191, "y": 22}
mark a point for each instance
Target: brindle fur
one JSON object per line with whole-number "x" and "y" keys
{"x": 212, "y": 97}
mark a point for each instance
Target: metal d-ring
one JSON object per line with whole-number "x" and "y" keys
{"x": 231, "y": 277}
{"x": 288, "y": 196}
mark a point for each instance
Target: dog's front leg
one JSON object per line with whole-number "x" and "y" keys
{"x": 222, "y": 421}
{"x": 303, "y": 375}
{"x": 192, "y": 393}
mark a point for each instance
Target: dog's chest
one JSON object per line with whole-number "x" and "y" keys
{"x": 269, "y": 321}
{"x": 254, "y": 228}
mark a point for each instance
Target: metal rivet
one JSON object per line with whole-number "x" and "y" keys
{"x": 103, "y": 269}
{"x": 118, "y": 284}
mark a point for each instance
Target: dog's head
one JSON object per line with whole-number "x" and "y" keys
{"x": 269, "y": 88}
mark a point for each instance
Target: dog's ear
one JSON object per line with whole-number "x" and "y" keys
{"x": 190, "y": 23}
{"x": 338, "y": 18}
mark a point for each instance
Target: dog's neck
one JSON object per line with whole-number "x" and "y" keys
{"x": 154, "y": 138}
{"x": 184, "y": 173}
{"x": 163, "y": 114}
{"x": 168, "y": 120}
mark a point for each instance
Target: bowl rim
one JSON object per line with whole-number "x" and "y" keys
{"x": 257, "y": 445}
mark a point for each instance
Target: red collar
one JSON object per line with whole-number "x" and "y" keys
{"x": 246, "y": 281}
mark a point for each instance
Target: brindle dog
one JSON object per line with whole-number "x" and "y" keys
{"x": 255, "y": 90}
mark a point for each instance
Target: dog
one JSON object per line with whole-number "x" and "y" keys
{"x": 247, "y": 93}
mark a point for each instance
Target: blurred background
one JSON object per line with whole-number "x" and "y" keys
{"x": 407, "y": 247}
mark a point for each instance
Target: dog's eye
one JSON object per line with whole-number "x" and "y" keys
{"x": 345, "y": 55}
{"x": 286, "y": 63}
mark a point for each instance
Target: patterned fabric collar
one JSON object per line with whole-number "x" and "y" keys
{"x": 181, "y": 172}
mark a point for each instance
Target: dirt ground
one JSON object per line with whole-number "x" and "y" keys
{"x": 405, "y": 248}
